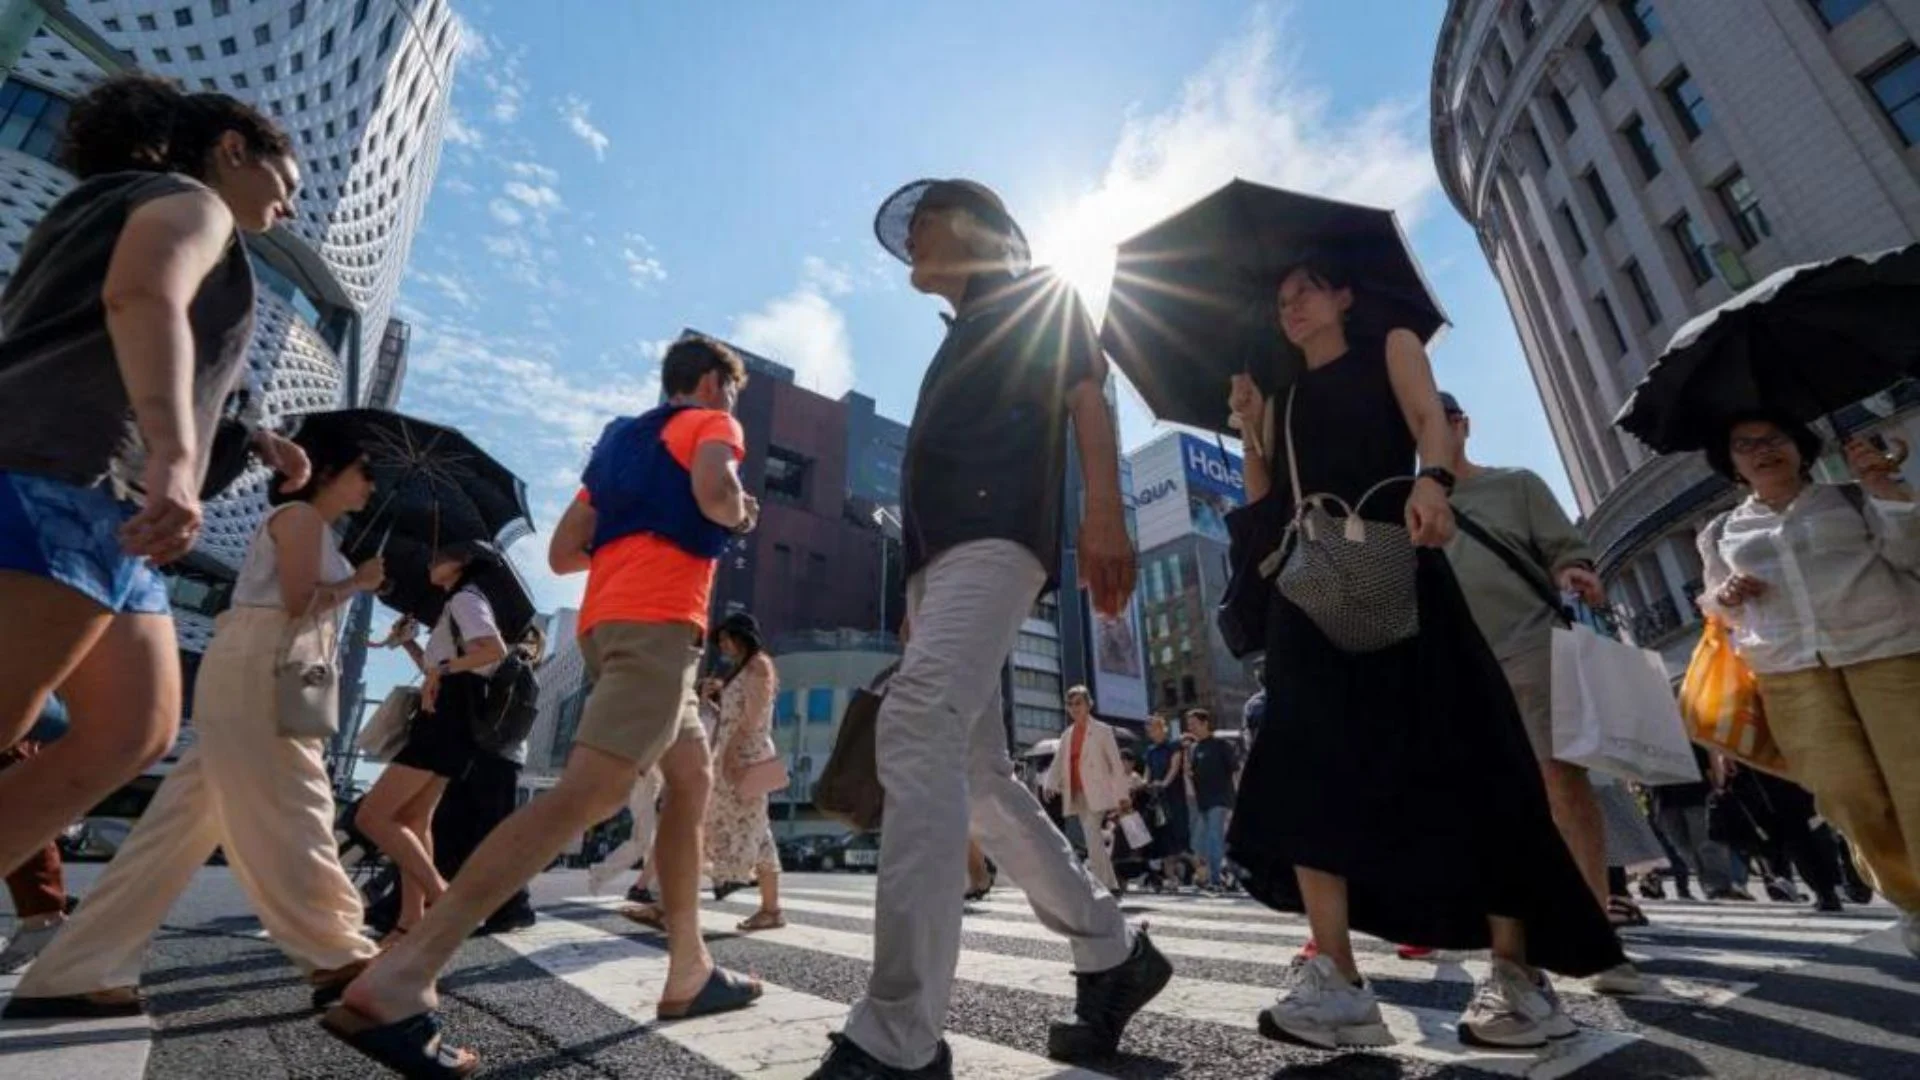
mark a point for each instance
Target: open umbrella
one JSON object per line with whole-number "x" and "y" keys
{"x": 1194, "y": 298}
{"x": 432, "y": 483}
{"x": 409, "y": 592}
{"x": 1806, "y": 342}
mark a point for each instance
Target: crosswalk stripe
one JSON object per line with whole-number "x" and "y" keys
{"x": 107, "y": 1049}
{"x": 1454, "y": 968}
{"x": 779, "y": 1038}
{"x": 1423, "y": 1034}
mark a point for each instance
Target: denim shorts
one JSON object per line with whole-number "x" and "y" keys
{"x": 71, "y": 535}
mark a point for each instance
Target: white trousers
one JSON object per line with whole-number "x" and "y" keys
{"x": 943, "y": 708}
{"x": 1099, "y": 859}
{"x": 264, "y": 800}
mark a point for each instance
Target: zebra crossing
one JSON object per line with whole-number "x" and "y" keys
{"x": 582, "y": 959}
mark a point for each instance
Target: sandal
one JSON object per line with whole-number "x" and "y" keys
{"x": 762, "y": 920}
{"x": 329, "y": 985}
{"x": 650, "y": 916}
{"x": 413, "y": 1047}
{"x": 724, "y": 992}
{"x": 1624, "y": 913}
{"x": 121, "y": 1001}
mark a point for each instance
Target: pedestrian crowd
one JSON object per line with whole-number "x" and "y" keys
{"x": 1403, "y": 782}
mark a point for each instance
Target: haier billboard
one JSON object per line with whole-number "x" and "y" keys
{"x": 1182, "y": 485}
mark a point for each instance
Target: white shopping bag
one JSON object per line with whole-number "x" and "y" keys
{"x": 1614, "y": 710}
{"x": 386, "y": 734}
{"x": 1135, "y": 827}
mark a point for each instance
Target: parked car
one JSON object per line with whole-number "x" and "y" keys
{"x": 803, "y": 853}
{"x": 860, "y": 851}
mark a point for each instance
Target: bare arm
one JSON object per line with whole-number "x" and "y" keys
{"x": 717, "y": 487}
{"x": 1105, "y": 550}
{"x": 567, "y": 551}
{"x": 297, "y": 537}
{"x": 1429, "y": 516}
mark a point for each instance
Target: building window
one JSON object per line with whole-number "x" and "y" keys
{"x": 1502, "y": 59}
{"x": 297, "y": 14}
{"x": 1641, "y": 19}
{"x": 1562, "y": 110}
{"x": 1643, "y": 292}
{"x": 1598, "y": 190}
{"x": 1834, "y": 12}
{"x": 300, "y": 101}
{"x": 146, "y": 22}
{"x": 1896, "y": 86}
{"x": 163, "y": 56}
{"x": 326, "y": 44}
{"x": 1693, "y": 248}
{"x": 1689, "y": 105}
{"x": 111, "y": 26}
{"x": 386, "y": 37}
{"x": 1539, "y": 150}
{"x": 183, "y": 16}
{"x": 297, "y": 63}
{"x": 1599, "y": 60}
{"x": 263, "y": 34}
{"x": 1743, "y": 207}
{"x": 359, "y": 13}
{"x": 30, "y": 120}
{"x": 326, "y": 90}
{"x": 239, "y": 80}
{"x": 1642, "y": 146}
{"x": 220, "y": 7}
{"x": 1188, "y": 692}
{"x": 228, "y": 46}
{"x": 196, "y": 53}
{"x": 353, "y": 71}
{"x": 786, "y": 474}
{"x": 1611, "y": 322}
{"x": 1529, "y": 22}
{"x": 1573, "y": 227}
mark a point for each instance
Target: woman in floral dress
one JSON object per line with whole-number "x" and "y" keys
{"x": 740, "y": 848}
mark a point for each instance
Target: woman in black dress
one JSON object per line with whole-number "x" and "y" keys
{"x": 1166, "y": 762}
{"x": 1393, "y": 791}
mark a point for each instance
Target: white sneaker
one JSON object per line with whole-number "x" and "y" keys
{"x": 1910, "y": 931}
{"x": 1324, "y": 1010}
{"x": 1511, "y": 1011}
{"x": 25, "y": 945}
{"x": 1622, "y": 981}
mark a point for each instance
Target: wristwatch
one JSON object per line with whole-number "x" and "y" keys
{"x": 1438, "y": 475}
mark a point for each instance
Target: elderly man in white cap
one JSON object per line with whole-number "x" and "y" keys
{"x": 982, "y": 491}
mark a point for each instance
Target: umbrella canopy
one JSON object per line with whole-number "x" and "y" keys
{"x": 1195, "y": 298}
{"x": 409, "y": 592}
{"x": 432, "y": 483}
{"x": 1804, "y": 343}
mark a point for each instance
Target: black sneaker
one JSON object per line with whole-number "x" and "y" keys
{"x": 846, "y": 1061}
{"x": 1105, "y": 1001}
{"x": 641, "y": 895}
{"x": 507, "y": 920}
{"x": 1828, "y": 902}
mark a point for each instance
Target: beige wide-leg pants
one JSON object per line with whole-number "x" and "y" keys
{"x": 264, "y": 799}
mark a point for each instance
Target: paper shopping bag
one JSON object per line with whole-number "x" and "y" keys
{"x": 1614, "y": 710}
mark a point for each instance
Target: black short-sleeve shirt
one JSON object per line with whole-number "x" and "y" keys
{"x": 986, "y": 454}
{"x": 1214, "y": 762}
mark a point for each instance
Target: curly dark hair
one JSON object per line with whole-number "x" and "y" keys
{"x": 1720, "y": 451}
{"x": 144, "y": 123}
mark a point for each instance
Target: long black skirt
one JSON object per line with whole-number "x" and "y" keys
{"x": 1407, "y": 772}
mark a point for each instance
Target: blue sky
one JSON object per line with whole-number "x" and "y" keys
{"x": 617, "y": 171}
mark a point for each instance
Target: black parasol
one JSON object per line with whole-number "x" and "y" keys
{"x": 1806, "y": 342}
{"x": 409, "y": 592}
{"x": 1194, "y": 298}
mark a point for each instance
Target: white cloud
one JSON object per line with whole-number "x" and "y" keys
{"x": 538, "y": 196}
{"x": 805, "y": 331}
{"x": 642, "y": 269}
{"x": 448, "y": 286}
{"x": 1247, "y": 113}
{"x": 533, "y": 170}
{"x": 460, "y": 133}
{"x": 574, "y": 112}
{"x": 504, "y": 213}
{"x": 829, "y": 278}
{"x": 499, "y": 70}
{"x": 458, "y": 186}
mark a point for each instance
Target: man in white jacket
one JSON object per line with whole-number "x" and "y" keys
{"x": 1091, "y": 779}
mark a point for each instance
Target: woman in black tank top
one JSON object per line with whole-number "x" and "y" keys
{"x": 1393, "y": 791}
{"x": 126, "y": 326}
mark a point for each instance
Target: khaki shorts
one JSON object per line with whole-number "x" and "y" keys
{"x": 1531, "y": 676}
{"x": 643, "y": 689}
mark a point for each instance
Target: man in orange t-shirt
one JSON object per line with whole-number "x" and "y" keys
{"x": 663, "y": 496}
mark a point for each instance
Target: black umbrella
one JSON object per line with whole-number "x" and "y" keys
{"x": 409, "y": 592}
{"x": 432, "y": 484}
{"x": 1195, "y": 298}
{"x": 1805, "y": 343}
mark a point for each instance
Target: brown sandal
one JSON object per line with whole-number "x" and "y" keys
{"x": 763, "y": 920}
{"x": 651, "y": 916}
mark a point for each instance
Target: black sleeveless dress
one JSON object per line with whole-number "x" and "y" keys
{"x": 1407, "y": 770}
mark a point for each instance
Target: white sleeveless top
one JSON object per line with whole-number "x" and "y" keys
{"x": 258, "y": 585}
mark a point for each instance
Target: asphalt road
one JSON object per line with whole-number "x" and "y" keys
{"x": 1749, "y": 991}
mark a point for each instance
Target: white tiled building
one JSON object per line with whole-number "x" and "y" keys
{"x": 363, "y": 87}
{"x": 1630, "y": 163}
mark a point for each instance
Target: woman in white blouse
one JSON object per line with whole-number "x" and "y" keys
{"x": 1820, "y": 587}
{"x": 1091, "y": 779}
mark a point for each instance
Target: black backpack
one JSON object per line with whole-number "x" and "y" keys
{"x": 506, "y": 716}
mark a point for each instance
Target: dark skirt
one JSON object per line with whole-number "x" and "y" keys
{"x": 441, "y": 742}
{"x": 1407, "y": 772}
{"x": 1168, "y": 817}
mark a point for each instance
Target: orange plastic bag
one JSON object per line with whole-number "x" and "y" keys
{"x": 1720, "y": 701}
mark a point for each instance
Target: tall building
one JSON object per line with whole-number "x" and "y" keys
{"x": 363, "y": 89}
{"x": 1628, "y": 164}
{"x": 1183, "y": 488}
{"x": 389, "y": 372}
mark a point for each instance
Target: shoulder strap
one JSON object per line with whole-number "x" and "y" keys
{"x": 1856, "y": 497}
{"x": 1525, "y": 568}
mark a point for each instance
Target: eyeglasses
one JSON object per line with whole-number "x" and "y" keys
{"x": 1759, "y": 443}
